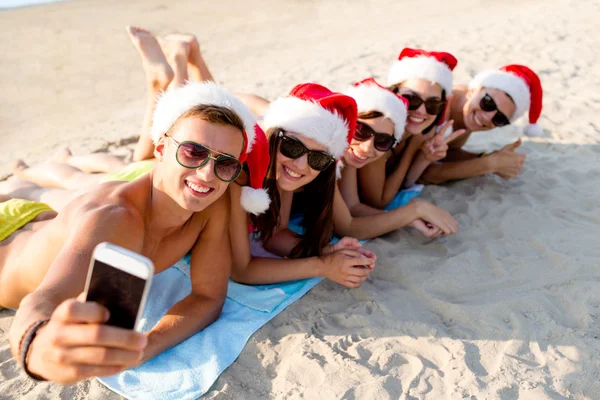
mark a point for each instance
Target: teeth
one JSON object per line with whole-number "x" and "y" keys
{"x": 417, "y": 120}
{"x": 292, "y": 173}
{"x": 359, "y": 156}
{"x": 197, "y": 188}
{"x": 477, "y": 121}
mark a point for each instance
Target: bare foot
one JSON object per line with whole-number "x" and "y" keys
{"x": 19, "y": 168}
{"x": 198, "y": 70}
{"x": 158, "y": 70}
{"x": 62, "y": 155}
{"x": 174, "y": 46}
{"x": 176, "y": 50}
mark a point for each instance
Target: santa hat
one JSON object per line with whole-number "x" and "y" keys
{"x": 318, "y": 113}
{"x": 371, "y": 96}
{"x": 522, "y": 85}
{"x": 175, "y": 102}
{"x": 254, "y": 198}
{"x": 434, "y": 66}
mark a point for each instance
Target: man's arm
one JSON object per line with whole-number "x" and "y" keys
{"x": 68, "y": 347}
{"x": 210, "y": 271}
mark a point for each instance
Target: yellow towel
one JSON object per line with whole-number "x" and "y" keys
{"x": 16, "y": 213}
{"x": 131, "y": 171}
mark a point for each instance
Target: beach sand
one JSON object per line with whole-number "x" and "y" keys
{"x": 507, "y": 308}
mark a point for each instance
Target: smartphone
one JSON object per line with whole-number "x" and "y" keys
{"x": 119, "y": 279}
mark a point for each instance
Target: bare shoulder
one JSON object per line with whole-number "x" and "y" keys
{"x": 219, "y": 211}
{"x": 114, "y": 205}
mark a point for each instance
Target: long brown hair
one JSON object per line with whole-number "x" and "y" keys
{"x": 316, "y": 207}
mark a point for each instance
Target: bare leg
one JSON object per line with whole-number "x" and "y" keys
{"x": 258, "y": 105}
{"x": 92, "y": 163}
{"x": 158, "y": 76}
{"x": 19, "y": 189}
{"x": 176, "y": 52}
{"x": 197, "y": 68}
{"x": 55, "y": 175}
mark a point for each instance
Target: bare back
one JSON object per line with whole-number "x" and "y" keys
{"x": 117, "y": 212}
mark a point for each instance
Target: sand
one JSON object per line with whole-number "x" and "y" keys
{"x": 507, "y": 308}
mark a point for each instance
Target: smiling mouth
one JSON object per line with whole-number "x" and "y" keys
{"x": 415, "y": 120}
{"x": 200, "y": 191}
{"x": 477, "y": 121}
{"x": 291, "y": 173}
{"x": 359, "y": 157}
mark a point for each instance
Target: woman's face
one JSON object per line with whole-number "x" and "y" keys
{"x": 418, "y": 119}
{"x": 292, "y": 174}
{"x": 475, "y": 118}
{"x": 359, "y": 154}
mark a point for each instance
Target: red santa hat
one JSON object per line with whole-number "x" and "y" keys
{"x": 371, "y": 96}
{"x": 318, "y": 113}
{"x": 254, "y": 198}
{"x": 175, "y": 102}
{"x": 522, "y": 85}
{"x": 434, "y": 66}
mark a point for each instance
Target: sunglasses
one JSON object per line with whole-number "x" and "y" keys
{"x": 488, "y": 104}
{"x": 194, "y": 155}
{"x": 381, "y": 141}
{"x": 433, "y": 106}
{"x": 293, "y": 148}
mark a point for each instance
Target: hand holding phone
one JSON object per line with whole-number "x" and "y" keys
{"x": 94, "y": 334}
{"x": 119, "y": 279}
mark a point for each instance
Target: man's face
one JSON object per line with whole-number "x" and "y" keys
{"x": 475, "y": 118}
{"x": 196, "y": 189}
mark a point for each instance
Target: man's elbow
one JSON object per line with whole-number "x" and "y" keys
{"x": 215, "y": 306}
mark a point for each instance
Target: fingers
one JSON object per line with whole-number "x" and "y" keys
{"x": 368, "y": 253}
{"x": 75, "y": 311}
{"x": 454, "y": 135}
{"x": 512, "y": 146}
{"x": 357, "y": 272}
{"x": 444, "y": 128}
{"x": 97, "y": 356}
{"x": 76, "y": 373}
{"x": 99, "y": 335}
{"x": 349, "y": 242}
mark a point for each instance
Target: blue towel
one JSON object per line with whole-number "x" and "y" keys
{"x": 188, "y": 370}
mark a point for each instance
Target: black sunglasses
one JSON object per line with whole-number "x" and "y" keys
{"x": 293, "y": 148}
{"x": 381, "y": 141}
{"x": 433, "y": 105}
{"x": 194, "y": 155}
{"x": 488, "y": 104}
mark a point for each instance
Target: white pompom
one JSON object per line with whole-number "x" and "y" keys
{"x": 533, "y": 130}
{"x": 255, "y": 201}
{"x": 338, "y": 169}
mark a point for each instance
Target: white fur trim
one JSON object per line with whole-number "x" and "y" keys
{"x": 311, "y": 120}
{"x": 174, "y": 102}
{"x": 533, "y": 130}
{"x": 339, "y": 165}
{"x": 516, "y": 88}
{"x": 422, "y": 67}
{"x": 370, "y": 97}
{"x": 254, "y": 201}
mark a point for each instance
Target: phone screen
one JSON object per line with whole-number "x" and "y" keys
{"x": 121, "y": 293}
